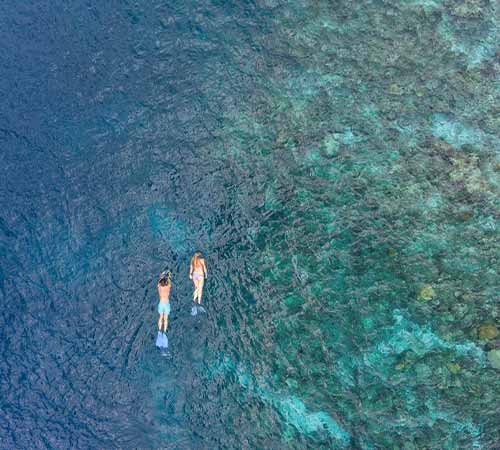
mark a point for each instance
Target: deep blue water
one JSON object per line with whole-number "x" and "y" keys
{"x": 337, "y": 162}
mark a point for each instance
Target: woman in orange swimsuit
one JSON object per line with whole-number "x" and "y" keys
{"x": 198, "y": 273}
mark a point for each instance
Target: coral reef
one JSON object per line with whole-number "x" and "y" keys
{"x": 378, "y": 179}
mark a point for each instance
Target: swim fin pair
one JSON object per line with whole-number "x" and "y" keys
{"x": 162, "y": 340}
{"x": 197, "y": 309}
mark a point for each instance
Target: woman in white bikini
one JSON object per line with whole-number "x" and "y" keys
{"x": 198, "y": 273}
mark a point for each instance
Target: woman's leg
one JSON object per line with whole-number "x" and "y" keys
{"x": 159, "y": 322}
{"x": 165, "y": 322}
{"x": 200, "y": 289}
{"x": 195, "y": 292}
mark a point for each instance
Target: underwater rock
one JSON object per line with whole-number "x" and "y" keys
{"x": 402, "y": 365}
{"x": 464, "y": 216}
{"x": 426, "y": 293}
{"x": 423, "y": 372}
{"x": 395, "y": 89}
{"x": 409, "y": 446}
{"x": 468, "y": 8}
{"x": 454, "y": 368}
{"x": 405, "y": 336}
{"x": 392, "y": 252}
{"x": 294, "y": 302}
{"x": 469, "y": 297}
{"x": 459, "y": 310}
{"x": 419, "y": 92}
{"x": 466, "y": 171}
{"x": 488, "y": 331}
{"x": 331, "y": 146}
{"x": 297, "y": 416}
{"x": 474, "y": 44}
{"x": 447, "y": 127}
{"x": 295, "y": 413}
{"x": 494, "y": 358}
{"x": 443, "y": 148}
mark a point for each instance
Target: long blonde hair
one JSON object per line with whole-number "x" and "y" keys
{"x": 196, "y": 257}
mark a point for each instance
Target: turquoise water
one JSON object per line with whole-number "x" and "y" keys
{"x": 338, "y": 164}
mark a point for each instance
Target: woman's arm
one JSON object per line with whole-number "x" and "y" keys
{"x": 191, "y": 270}
{"x": 205, "y": 268}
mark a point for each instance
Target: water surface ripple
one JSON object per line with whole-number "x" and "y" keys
{"x": 337, "y": 163}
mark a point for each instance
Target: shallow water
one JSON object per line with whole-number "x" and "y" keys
{"x": 338, "y": 165}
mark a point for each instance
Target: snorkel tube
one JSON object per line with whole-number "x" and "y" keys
{"x": 165, "y": 276}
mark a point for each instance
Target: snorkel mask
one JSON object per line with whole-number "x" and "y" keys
{"x": 165, "y": 275}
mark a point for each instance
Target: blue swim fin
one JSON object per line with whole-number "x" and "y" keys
{"x": 165, "y": 341}
{"x": 201, "y": 309}
{"x": 194, "y": 311}
{"x": 159, "y": 339}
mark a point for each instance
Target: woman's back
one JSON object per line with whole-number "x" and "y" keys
{"x": 197, "y": 263}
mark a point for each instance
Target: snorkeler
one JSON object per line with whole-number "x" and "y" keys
{"x": 164, "y": 286}
{"x": 198, "y": 273}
